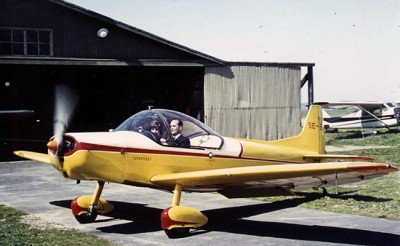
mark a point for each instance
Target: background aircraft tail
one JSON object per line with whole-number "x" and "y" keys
{"x": 312, "y": 136}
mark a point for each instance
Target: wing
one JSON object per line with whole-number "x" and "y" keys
{"x": 40, "y": 157}
{"x": 272, "y": 176}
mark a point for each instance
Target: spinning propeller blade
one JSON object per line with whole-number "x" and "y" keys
{"x": 64, "y": 106}
{"x": 65, "y": 102}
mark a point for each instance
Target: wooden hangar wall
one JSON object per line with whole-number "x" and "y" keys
{"x": 257, "y": 101}
{"x": 71, "y": 31}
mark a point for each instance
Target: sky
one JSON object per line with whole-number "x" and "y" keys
{"x": 355, "y": 44}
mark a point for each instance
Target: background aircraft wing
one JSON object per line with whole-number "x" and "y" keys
{"x": 17, "y": 113}
{"x": 352, "y": 106}
{"x": 274, "y": 179}
{"x": 364, "y": 104}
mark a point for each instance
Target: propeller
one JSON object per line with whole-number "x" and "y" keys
{"x": 65, "y": 101}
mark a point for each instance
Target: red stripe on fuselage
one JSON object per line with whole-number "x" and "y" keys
{"x": 241, "y": 150}
{"x": 106, "y": 148}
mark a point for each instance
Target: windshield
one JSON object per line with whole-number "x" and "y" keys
{"x": 147, "y": 122}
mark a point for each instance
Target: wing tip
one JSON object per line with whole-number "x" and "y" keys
{"x": 40, "y": 157}
{"x": 372, "y": 167}
{"x": 19, "y": 153}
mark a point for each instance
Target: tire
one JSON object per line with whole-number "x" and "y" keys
{"x": 86, "y": 218}
{"x": 177, "y": 232}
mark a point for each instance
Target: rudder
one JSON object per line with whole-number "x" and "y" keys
{"x": 312, "y": 136}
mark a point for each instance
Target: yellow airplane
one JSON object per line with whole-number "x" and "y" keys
{"x": 133, "y": 155}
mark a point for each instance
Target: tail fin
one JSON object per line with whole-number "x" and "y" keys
{"x": 312, "y": 136}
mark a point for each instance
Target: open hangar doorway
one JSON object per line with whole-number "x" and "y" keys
{"x": 107, "y": 96}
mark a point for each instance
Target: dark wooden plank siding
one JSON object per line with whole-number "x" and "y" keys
{"x": 75, "y": 33}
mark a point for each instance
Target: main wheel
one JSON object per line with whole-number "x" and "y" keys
{"x": 86, "y": 218}
{"x": 177, "y": 232}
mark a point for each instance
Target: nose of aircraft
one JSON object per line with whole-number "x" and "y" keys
{"x": 52, "y": 145}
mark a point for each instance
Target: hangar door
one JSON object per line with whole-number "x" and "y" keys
{"x": 257, "y": 102}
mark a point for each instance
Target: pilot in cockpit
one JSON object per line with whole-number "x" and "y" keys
{"x": 156, "y": 129}
{"x": 176, "y": 127}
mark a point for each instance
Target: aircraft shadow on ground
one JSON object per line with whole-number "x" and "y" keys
{"x": 144, "y": 218}
{"x": 233, "y": 220}
{"x": 343, "y": 196}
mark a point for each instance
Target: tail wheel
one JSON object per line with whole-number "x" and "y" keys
{"x": 177, "y": 232}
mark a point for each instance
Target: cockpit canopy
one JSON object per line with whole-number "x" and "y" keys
{"x": 391, "y": 105}
{"x": 200, "y": 135}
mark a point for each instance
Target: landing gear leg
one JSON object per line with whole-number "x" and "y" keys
{"x": 96, "y": 196}
{"x": 176, "y": 200}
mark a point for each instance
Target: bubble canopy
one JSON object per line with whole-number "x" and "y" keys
{"x": 200, "y": 135}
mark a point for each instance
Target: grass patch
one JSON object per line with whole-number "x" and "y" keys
{"x": 345, "y": 137}
{"x": 378, "y": 197}
{"x": 14, "y": 232}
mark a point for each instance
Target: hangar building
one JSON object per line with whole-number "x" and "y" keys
{"x": 118, "y": 70}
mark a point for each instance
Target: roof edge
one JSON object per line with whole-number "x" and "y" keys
{"x": 278, "y": 64}
{"x": 104, "y": 62}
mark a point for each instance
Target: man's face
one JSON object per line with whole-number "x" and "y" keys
{"x": 175, "y": 128}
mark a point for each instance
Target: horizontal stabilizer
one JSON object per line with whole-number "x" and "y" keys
{"x": 40, "y": 157}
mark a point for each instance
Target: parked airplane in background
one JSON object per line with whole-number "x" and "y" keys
{"x": 360, "y": 115}
{"x": 133, "y": 154}
{"x": 16, "y": 113}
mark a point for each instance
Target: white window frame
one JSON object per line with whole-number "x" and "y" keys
{"x": 26, "y": 43}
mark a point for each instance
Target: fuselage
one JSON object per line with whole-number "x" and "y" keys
{"x": 132, "y": 158}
